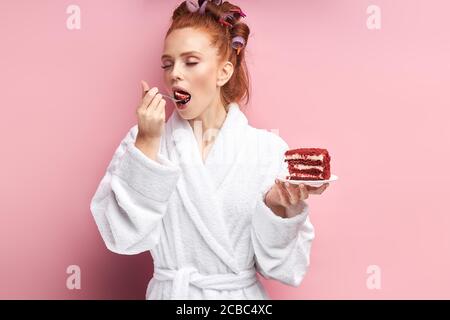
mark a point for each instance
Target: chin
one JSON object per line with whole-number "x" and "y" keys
{"x": 190, "y": 113}
{"x": 185, "y": 114}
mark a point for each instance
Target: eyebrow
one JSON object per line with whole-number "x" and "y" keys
{"x": 183, "y": 54}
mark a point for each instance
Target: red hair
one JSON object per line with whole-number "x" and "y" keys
{"x": 237, "y": 88}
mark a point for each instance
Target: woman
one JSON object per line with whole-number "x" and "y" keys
{"x": 198, "y": 192}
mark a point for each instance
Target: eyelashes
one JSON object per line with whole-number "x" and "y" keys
{"x": 189, "y": 64}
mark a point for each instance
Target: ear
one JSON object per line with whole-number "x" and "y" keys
{"x": 225, "y": 73}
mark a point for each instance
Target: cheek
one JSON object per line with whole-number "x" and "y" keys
{"x": 204, "y": 79}
{"x": 167, "y": 81}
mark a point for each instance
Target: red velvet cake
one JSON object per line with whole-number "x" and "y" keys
{"x": 308, "y": 164}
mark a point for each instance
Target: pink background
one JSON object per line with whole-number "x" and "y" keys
{"x": 319, "y": 76}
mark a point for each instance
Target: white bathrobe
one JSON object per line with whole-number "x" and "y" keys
{"x": 205, "y": 223}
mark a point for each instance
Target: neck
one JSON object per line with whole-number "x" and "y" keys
{"x": 211, "y": 120}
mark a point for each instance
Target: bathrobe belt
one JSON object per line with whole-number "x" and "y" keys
{"x": 183, "y": 277}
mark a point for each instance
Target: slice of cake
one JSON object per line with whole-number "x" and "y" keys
{"x": 308, "y": 164}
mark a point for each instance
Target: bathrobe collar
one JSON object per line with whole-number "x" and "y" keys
{"x": 196, "y": 188}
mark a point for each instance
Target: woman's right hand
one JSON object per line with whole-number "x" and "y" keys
{"x": 151, "y": 114}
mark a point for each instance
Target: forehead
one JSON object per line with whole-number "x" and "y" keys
{"x": 186, "y": 40}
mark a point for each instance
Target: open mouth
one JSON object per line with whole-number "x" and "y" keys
{"x": 183, "y": 97}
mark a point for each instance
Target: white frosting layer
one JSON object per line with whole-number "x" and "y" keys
{"x": 304, "y": 166}
{"x": 305, "y": 157}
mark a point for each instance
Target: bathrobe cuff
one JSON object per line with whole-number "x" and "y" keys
{"x": 153, "y": 179}
{"x": 275, "y": 229}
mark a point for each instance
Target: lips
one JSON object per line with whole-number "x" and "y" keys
{"x": 181, "y": 94}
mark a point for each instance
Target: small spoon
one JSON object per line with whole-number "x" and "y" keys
{"x": 169, "y": 97}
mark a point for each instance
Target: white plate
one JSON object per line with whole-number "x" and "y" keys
{"x": 313, "y": 183}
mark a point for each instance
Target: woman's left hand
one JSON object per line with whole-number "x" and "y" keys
{"x": 287, "y": 198}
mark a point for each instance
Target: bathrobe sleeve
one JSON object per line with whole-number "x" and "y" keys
{"x": 132, "y": 198}
{"x": 281, "y": 245}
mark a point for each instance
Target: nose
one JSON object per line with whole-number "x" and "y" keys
{"x": 176, "y": 73}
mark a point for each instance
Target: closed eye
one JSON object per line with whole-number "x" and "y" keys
{"x": 188, "y": 63}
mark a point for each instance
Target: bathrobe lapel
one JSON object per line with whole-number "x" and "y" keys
{"x": 196, "y": 187}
